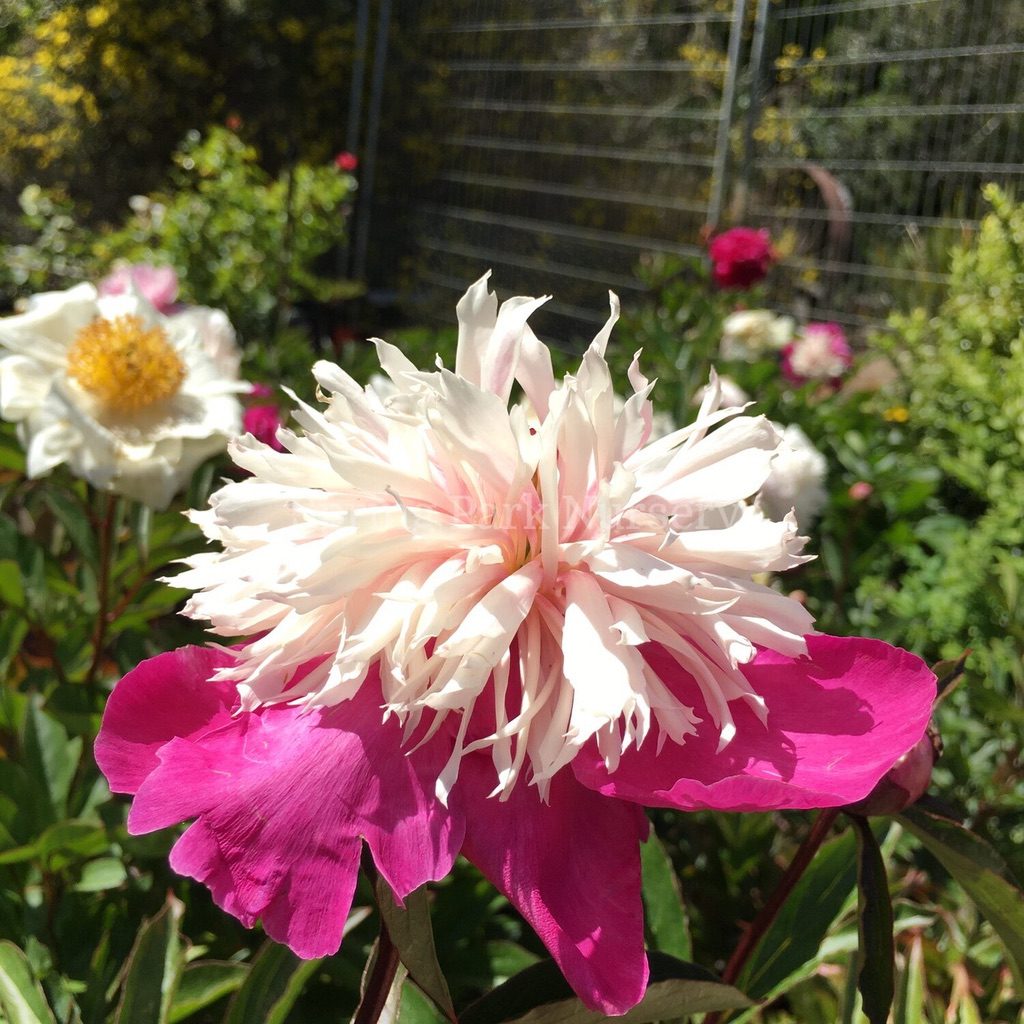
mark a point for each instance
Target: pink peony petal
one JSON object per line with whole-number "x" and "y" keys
{"x": 571, "y": 867}
{"x": 837, "y": 722}
{"x": 163, "y": 697}
{"x": 282, "y": 797}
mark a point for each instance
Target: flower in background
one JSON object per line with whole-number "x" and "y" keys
{"x": 124, "y": 396}
{"x": 216, "y": 334}
{"x": 752, "y": 334}
{"x": 486, "y": 629}
{"x": 796, "y": 481}
{"x": 860, "y": 491}
{"x": 261, "y": 391}
{"x": 263, "y": 421}
{"x": 740, "y": 257}
{"x": 819, "y": 351}
{"x": 731, "y": 393}
{"x": 159, "y": 285}
{"x": 346, "y": 162}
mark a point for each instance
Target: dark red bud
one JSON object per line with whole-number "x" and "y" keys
{"x": 906, "y": 780}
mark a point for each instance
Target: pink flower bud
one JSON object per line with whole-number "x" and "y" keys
{"x": 906, "y": 780}
{"x": 860, "y": 490}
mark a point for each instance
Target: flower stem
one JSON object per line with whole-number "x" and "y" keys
{"x": 803, "y": 857}
{"x": 379, "y": 982}
{"x": 106, "y": 528}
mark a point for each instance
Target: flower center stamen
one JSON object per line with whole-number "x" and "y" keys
{"x": 125, "y": 365}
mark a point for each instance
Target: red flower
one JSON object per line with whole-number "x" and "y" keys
{"x": 740, "y": 257}
{"x": 346, "y": 161}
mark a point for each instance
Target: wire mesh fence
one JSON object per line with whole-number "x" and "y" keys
{"x": 573, "y": 136}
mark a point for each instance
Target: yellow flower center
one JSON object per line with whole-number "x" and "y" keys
{"x": 124, "y": 364}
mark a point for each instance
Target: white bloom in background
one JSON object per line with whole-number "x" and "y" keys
{"x": 751, "y": 334}
{"x": 128, "y": 398}
{"x": 732, "y": 393}
{"x": 525, "y": 557}
{"x": 797, "y": 479}
{"x": 216, "y": 334}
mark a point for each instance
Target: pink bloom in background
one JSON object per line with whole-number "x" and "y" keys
{"x": 499, "y": 631}
{"x": 158, "y": 285}
{"x": 819, "y": 351}
{"x": 261, "y": 391}
{"x": 861, "y": 490}
{"x": 263, "y": 421}
{"x": 346, "y": 162}
{"x": 740, "y": 257}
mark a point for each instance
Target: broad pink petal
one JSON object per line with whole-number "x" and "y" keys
{"x": 282, "y": 797}
{"x": 571, "y": 867}
{"x": 166, "y": 696}
{"x": 837, "y": 722}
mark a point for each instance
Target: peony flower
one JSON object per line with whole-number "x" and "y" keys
{"x": 216, "y": 334}
{"x": 123, "y": 395}
{"x": 263, "y": 421}
{"x": 796, "y": 481}
{"x": 159, "y": 285}
{"x": 818, "y": 352}
{"x": 751, "y": 334}
{"x": 496, "y": 630}
{"x": 740, "y": 257}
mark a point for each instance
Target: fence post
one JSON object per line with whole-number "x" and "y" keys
{"x": 721, "y": 163}
{"x": 754, "y": 95}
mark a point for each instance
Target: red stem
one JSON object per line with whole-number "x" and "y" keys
{"x": 803, "y": 857}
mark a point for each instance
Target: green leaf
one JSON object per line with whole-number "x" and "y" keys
{"x": 410, "y": 930}
{"x": 203, "y": 983}
{"x": 271, "y": 987}
{"x": 101, "y": 874}
{"x": 876, "y": 954}
{"x": 665, "y": 911}
{"x": 153, "y": 968}
{"x": 12, "y": 592}
{"x": 416, "y": 1008}
{"x": 21, "y": 996}
{"x": 73, "y": 517}
{"x": 540, "y": 995}
{"x": 50, "y": 756}
{"x": 981, "y": 872}
{"x": 793, "y": 939}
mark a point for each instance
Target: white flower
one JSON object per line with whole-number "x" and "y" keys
{"x": 750, "y": 334}
{"x": 125, "y": 396}
{"x": 797, "y": 479}
{"x": 732, "y": 393}
{"x": 216, "y": 334}
{"x": 503, "y": 567}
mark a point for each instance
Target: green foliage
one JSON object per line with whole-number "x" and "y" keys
{"x": 239, "y": 239}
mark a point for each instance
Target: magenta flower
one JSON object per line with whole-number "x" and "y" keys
{"x": 263, "y": 421}
{"x": 818, "y": 352}
{"x": 158, "y": 285}
{"x": 740, "y": 257}
{"x": 485, "y": 629}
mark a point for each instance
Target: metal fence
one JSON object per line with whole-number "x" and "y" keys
{"x": 571, "y": 137}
